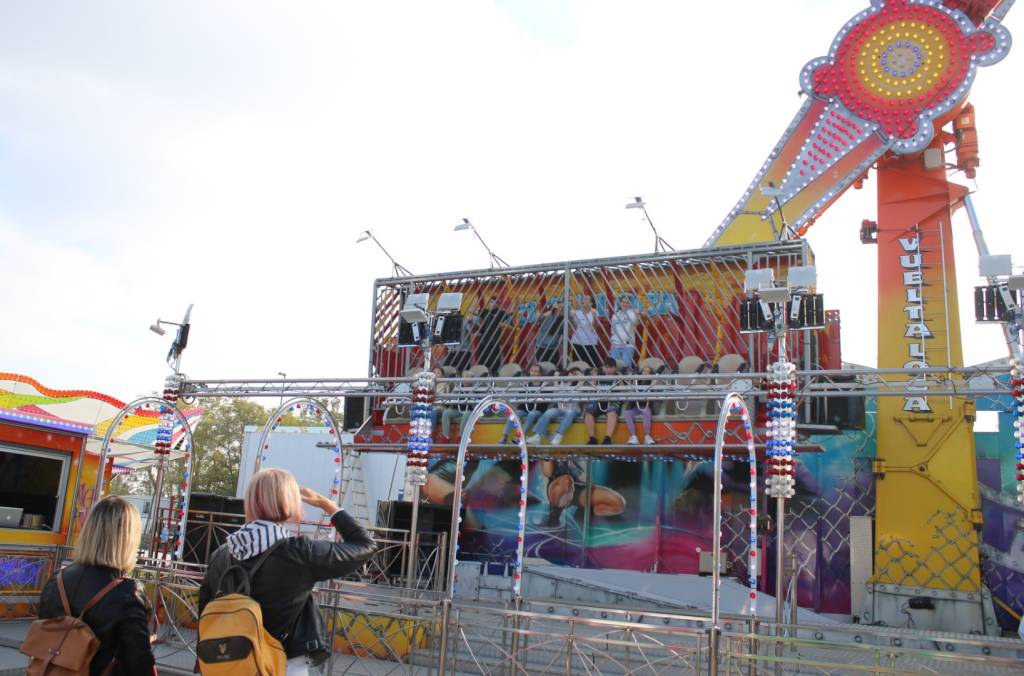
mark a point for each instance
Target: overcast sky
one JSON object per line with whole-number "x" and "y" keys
{"x": 229, "y": 156}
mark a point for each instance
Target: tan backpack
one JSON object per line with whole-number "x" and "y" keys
{"x": 232, "y": 639}
{"x": 64, "y": 646}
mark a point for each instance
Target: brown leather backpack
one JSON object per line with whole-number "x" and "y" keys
{"x": 64, "y": 646}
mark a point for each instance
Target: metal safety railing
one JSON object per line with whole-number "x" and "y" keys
{"x": 206, "y": 531}
{"x": 680, "y": 306}
{"x": 24, "y": 569}
{"x": 379, "y": 628}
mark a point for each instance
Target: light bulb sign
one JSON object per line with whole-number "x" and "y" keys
{"x": 917, "y": 329}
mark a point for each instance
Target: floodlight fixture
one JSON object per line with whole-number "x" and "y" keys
{"x": 449, "y": 302}
{"x": 416, "y": 300}
{"x": 496, "y": 261}
{"x": 774, "y": 294}
{"x": 180, "y": 339}
{"x": 802, "y": 277}
{"x": 413, "y": 315}
{"x": 397, "y": 270}
{"x": 660, "y": 245}
{"x": 1015, "y": 282}
{"x": 280, "y": 400}
{"x": 755, "y": 280}
{"x": 774, "y": 193}
{"x": 157, "y": 327}
{"x": 995, "y": 265}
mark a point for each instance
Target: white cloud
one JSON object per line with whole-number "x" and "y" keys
{"x": 228, "y": 156}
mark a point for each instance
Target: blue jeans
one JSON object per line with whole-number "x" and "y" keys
{"x": 552, "y": 414}
{"x": 527, "y": 418}
{"x": 451, "y": 414}
{"x": 623, "y": 354}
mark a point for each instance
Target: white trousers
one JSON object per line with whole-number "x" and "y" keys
{"x": 298, "y": 666}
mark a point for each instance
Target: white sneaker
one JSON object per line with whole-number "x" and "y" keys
{"x": 557, "y": 439}
{"x": 533, "y": 439}
{"x": 649, "y": 440}
{"x": 632, "y": 441}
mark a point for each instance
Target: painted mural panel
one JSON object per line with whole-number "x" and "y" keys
{"x": 657, "y": 516}
{"x": 1002, "y": 548}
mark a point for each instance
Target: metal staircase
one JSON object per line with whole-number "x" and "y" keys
{"x": 353, "y": 486}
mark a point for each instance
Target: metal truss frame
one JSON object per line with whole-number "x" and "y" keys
{"x": 971, "y": 382}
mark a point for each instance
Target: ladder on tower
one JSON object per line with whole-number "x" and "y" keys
{"x": 353, "y": 486}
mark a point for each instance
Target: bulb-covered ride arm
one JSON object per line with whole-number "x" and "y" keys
{"x": 895, "y": 73}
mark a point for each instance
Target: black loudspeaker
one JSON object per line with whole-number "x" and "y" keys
{"x": 991, "y": 303}
{"x": 407, "y": 337}
{"x": 355, "y": 412}
{"x": 806, "y": 311}
{"x": 752, "y": 319}
{"x": 211, "y": 518}
{"x": 448, "y": 329}
{"x": 433, "y": 520}
{"x": 208, "y": 502}
{"x": 803, "y": 311}
{"x": 397, "y": 514}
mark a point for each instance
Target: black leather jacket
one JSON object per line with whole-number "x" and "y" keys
{"x": 283, "y": 586}
{"x": 120, "y": 620}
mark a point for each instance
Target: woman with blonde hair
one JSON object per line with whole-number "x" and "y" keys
{"x": 289, "y": 566}
{"x": 114, "y": 607}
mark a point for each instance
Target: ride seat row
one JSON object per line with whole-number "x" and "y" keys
{"x": 728, "y": 364}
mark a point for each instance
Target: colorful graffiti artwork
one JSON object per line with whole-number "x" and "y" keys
{"x": 656, "y": 516}
{"x": 1002, "y": 547}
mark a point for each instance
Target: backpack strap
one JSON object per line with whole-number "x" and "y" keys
{"x": 100, "y": 594}
{"x": 91, "y": 602}
{"x": 63, "y": 593}
{"x": 263, "y": 557}
{"x": 246, "y": 573}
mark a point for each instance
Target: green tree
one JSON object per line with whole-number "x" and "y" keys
{"x": 216, "y": 451}
{"x": 218, "y": 442}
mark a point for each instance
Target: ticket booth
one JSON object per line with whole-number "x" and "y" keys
{"x": 46, "y": 480}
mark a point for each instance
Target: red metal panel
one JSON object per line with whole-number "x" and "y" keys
{"x": 23, "y": 435}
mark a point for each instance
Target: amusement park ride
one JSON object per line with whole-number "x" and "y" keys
{"x": 890, "y": 95}
{"x": 896, "y": 75}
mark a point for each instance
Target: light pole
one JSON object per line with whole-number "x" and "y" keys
{"x": 165, "y": 428}
{"x": 496, "y": 261}
{"x": 660, "y": 245}
{"x": 284, "y": 376}
{"x": 397, "y": 269}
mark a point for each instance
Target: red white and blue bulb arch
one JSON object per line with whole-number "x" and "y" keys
{"x": 489, "y": 406}
{"x": 734, "y": 405}
{"x": 421, "y": 423}
{"x": 900, "y": 65}
{"x": 170, "y": 419}
{"x": 780, "y": 447}
{"x": 164, "y": 435}
{"x": 1017, "y": 392}
{"x": 165, "y": 428}
{"x": 313, "y": 409}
